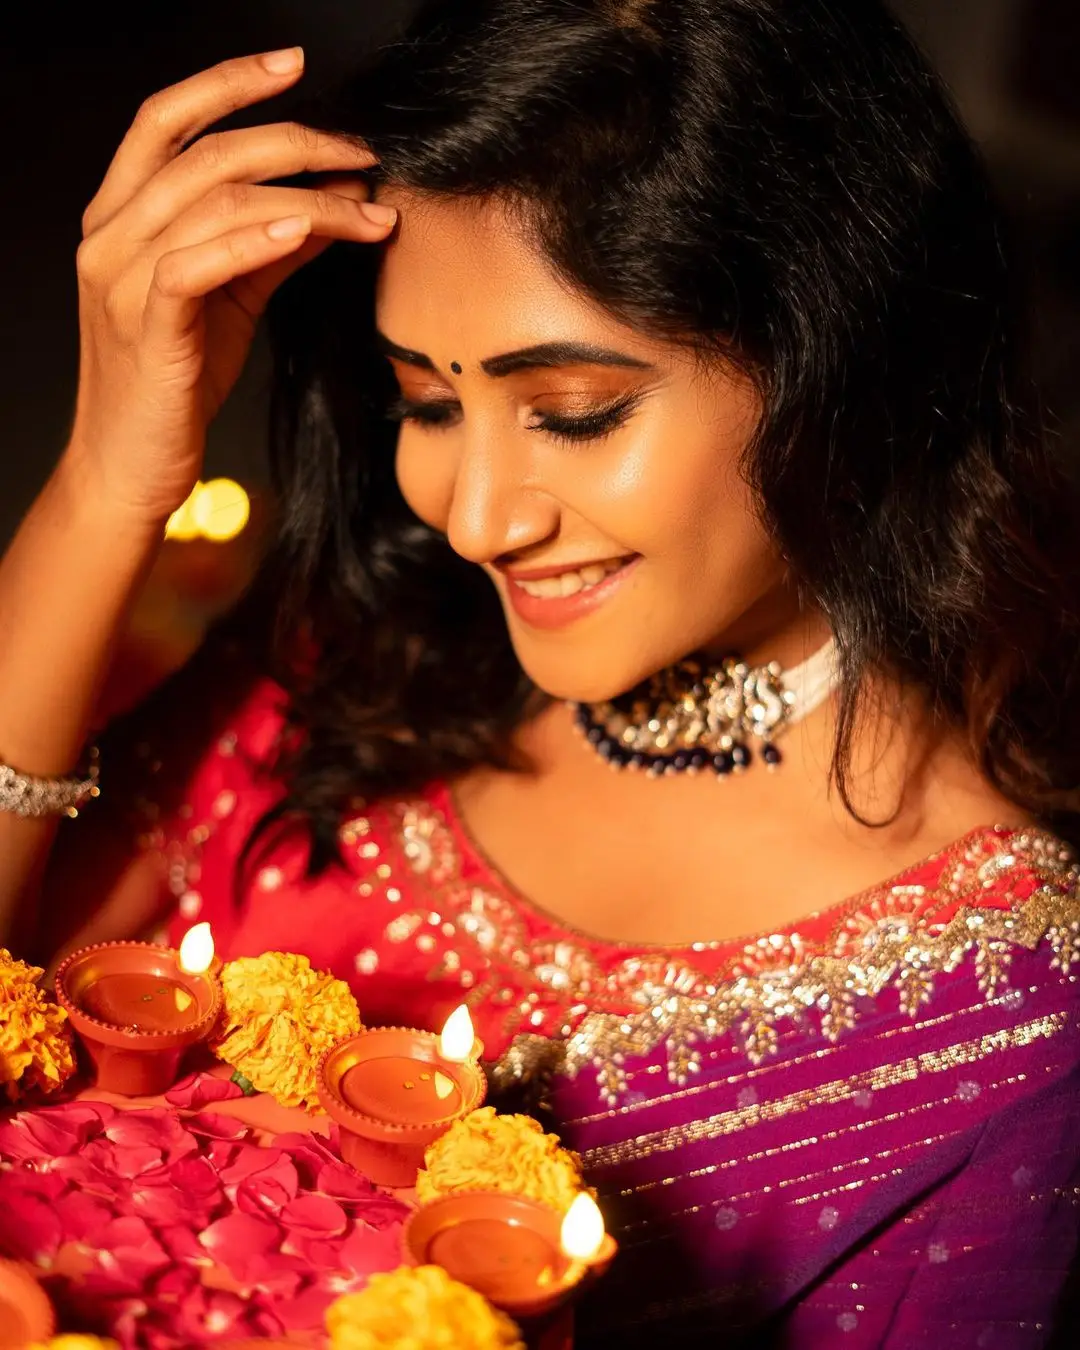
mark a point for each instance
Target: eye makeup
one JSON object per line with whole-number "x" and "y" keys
{"x": 590, "y": 425}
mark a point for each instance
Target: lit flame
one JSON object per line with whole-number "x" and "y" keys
{"x": 216, "y": 510}
{"x": 197, "y": 950}
{"x": 582, "y": 1233}
{"x": 456, "y": 1041}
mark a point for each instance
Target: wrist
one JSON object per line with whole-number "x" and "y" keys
{"x": 88, "y": 504}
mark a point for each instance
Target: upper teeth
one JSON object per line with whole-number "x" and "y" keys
{"x": 569, "y": 583}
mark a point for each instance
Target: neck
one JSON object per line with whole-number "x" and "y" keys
{"x": 775, "y": 628}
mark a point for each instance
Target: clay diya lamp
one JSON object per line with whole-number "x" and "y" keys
{"x": 26, "y": 1315}
{"x": 394, "y": 1090}
{"x": 138, "y": 1008}
{"x": 523, "y": 1256}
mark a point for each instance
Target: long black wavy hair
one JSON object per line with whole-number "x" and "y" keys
{"x": 779, "y": 180}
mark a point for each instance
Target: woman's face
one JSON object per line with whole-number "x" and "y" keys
{"x": 591, "y": 471}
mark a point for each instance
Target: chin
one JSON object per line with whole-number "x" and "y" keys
{"x": 589, "y": 677}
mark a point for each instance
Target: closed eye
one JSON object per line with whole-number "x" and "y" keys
{"x": 426, "y": 412}
{"x": 587, "y": 426}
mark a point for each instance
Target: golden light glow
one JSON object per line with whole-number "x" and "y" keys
{"x": 221, "y": 509}
{"x": 582, "y": 1233}
{"x": 181, "y": 524}
{"x": 217, "y": 510}
{"x": 443, "y": 1086}
{"x": 456, "y": 1041}
{"x": 197, "y": 950}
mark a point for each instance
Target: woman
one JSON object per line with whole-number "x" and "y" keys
{"x": 654, "y": 424}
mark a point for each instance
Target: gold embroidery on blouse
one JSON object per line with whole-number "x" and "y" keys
{"x": 838, "y": 1090}
{"x": 591, "y": 1014}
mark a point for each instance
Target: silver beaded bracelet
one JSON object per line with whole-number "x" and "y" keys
{"x": 22, "y": 794}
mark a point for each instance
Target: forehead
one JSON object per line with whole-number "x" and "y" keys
{"x": 464, "y": 275}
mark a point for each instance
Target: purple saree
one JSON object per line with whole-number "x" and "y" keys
{"x": 861, "y": 1132}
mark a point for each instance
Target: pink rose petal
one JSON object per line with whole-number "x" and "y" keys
{"x": 314, "y": 1216}
{"x": 182, "y": 1243}
{"x": 31, "y": 1230}
{"x": 277, "y": 1275}
{"x": 196, "y": 1176}
{"x": 237, "y": 1240}
{"x": 176, "y": 1282}
{"x": 266, "y": 1322}
{"x": 159, "y": 1130}
{"x": 17, "y": 1144}
{"x": 83, "y": 1216}
{"x": 129, "y": 1256}
{"x": 262, "y": 1194}
{"x": 78, "y": 1169}
{"x": 163, "y": 1206}
{"x": 316, "y": 1253}
{"x": 367, "y": 1251}
{"x": 342, "y": 1182}
{"x": 46, "y": 1137}
{"x": 306, "y": 1310}
{"x": 202, "y": 1089}
{"x": 40, "y": 1181}
{"x": 216, "y": 1126}
{"x": 381, "y": 1210}
{"x": 209, "y": 1315}
{"x": 309, "y": 1154}
{"x": 124, "y": 1162}
{"x": 133, "y": 1237}
{"x": 127, "y": 1323}
{"x": 85, "y": 1119}
{"x": 249, "y": 1160}
{"x": 221, "y": 1152}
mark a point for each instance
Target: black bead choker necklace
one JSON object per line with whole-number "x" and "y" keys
{"x": 695, "y": 717}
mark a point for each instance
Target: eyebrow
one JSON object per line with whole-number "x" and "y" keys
{"x": 543, "y": 355}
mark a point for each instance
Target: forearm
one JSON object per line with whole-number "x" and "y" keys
{"x": 65, "y": 587}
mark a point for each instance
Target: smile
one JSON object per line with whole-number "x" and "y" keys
{"x": 553, "y": 597}
{"x": 569, "y": 583}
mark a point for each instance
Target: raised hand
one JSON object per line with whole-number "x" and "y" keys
{"x": 183, "y": 246}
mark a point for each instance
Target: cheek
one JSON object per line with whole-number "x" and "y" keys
{"x": 425, "y": 478}
{"x": 668, "y": 497}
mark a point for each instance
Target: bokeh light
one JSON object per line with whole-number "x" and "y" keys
{"x": 217, "y": 510}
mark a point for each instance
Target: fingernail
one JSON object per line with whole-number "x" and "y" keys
{"x": 378, "y": 214}
{"x": 289, "y": 227}
{"x": 284, "y": 62}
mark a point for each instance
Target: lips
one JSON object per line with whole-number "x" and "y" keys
{"x": 556, "y": 596}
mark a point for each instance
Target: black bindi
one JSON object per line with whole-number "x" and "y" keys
{"x": 455, "y": 366}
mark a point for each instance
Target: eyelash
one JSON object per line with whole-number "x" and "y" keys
{"x": 591, "y": 426}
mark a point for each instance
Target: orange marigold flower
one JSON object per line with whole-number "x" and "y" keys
{"x": 418, "y": 1308}
{"x": 35, "y": 1038}
{"x": 488, "y": 1152}
{"x": 279, "y": 1017}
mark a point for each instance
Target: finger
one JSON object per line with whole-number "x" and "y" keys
{"x": 185, "y": 276}
{"x": 234, "y": 157}
{"x": 343, "y": 213}
{"x": 170, "y": 119}
{"x": 253, "y": 291}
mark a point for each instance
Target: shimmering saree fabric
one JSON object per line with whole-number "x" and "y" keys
{"x": 862, "y": 1131}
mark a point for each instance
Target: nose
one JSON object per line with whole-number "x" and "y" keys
{"x": 494, "y": 510}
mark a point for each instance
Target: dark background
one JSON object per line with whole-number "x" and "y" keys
{"x": 72, "y": 81}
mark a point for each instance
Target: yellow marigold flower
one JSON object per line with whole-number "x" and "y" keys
{"x": 418, "y": 1308}
{"x": 488, "y": 1152}
{"x": 35, "y": 1039}
{"x": 75, "y": 1341}
{"x": 279, "y": 1017}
